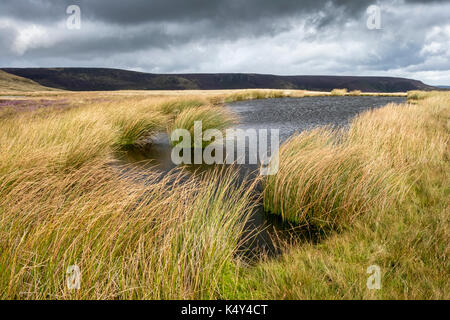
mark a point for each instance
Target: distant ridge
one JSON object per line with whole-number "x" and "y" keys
{"x": 99, "y": 79}
{"x": 10, "y": 82}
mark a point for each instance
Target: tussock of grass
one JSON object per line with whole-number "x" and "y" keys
{"x": 256, "y": 94}
{"x": 176, "y": 106}
{"x": 324, "y": 181}
{"x": 338, "y": 92}
{"x": 355, "y": 93}
{"x": 145, "y": 240}
{"x": 211, "y": 117}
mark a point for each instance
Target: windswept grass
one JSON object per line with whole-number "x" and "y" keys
{"x": 323, "y": 182}
{"x": 130, "y": 240}
{"x": 384, "y": 184}
{"x": 338, "y": 92}
{"x": 256, "y": 94}
{"x": 133, "y": 236}
{"x": 211, "y": 117}
{"x": 178, "y": 105}
{"x": 355, "y": 93}
{"x": 415, "y": 95}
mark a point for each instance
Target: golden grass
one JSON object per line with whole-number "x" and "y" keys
{"x": 211, "y": 117}
{"x": 355, "y": 93}
{"x": 338, "y": 92}
{"x": 324, "y": 182}
{"x": 64, "y": 200}
{"x": 384, "y": 184}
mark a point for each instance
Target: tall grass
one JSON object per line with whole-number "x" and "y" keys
{"x": 211, "y": 117}
{"x": 133, "y": 236}
{"x": 355, "y": 93}
{"x": 256, "y": 94}
{"x": 324, "y": 181}
{"x": 327, "y": 177}
{"x": 64, "y": 200}
{"x": 178, "y": 105}
{"x": 146, "y": 240}
{"x": 384, "y": 183}
{"x": 338, "y": 92}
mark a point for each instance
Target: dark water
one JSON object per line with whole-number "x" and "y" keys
{"x": 292, "y": 115}
{"x": 289, "y": 115}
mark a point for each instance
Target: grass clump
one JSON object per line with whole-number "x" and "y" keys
{"x": 323, "y": 182}
{"x": 176, "y": 106}
{"x": 131, "y": 240}
{"x": 255, "y": 94}
{"x": 338, "y": 92}
{"x": 211, "y": 117}
{"x": 355, "y": 93}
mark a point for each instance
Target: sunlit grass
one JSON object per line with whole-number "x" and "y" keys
{"x": 355, "y": 93}
{"x": 338, "y": 92}
{"x": 383, "y": 184}
{"x": 378, "y": 190}
{"x": 211, "y": 117}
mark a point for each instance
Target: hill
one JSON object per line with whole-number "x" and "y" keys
{"x": 95, "y": 79}
{"x": 10, "y": 82}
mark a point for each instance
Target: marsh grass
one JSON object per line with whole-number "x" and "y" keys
{"x": 211, "y": 117}
{"x": 384, "y": 185}
{"x": 355, "y": 93}
{"x": 256, "y": 94}
{"x": 339, "y": 92}
{"x": 64, "y": 200}
{"x": 145, "y": 240}
{"x": 328, "y": 185}
{"x": 178, "y": 105}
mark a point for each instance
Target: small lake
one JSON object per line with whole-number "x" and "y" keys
{"x": 289, "y": 115}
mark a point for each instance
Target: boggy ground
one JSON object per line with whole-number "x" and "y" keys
{"x": 377, "y": 192}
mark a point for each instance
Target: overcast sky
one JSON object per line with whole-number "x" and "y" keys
{"x": 286, "y": 37}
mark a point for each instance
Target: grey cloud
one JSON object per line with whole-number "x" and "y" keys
{"x": 284, "y": 37}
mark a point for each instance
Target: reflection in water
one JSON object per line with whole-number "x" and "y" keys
{"x": 289, "y": 115}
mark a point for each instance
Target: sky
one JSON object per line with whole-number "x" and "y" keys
{"x": 401, "y": 38}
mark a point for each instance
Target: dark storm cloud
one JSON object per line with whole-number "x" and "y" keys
{"x": 289, "y": 37}
{"x": 143, "y": 11}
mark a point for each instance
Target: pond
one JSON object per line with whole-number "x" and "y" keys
{"x": 288, "y": 115}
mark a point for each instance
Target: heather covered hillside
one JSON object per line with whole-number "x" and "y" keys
{"x": 96, "y": 79}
